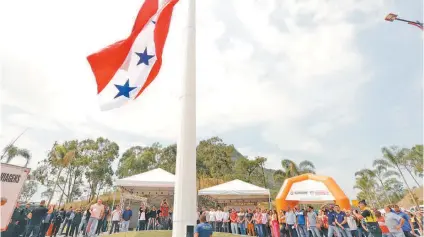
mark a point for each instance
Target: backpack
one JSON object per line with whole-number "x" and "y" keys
{"x": 58, "y": 218}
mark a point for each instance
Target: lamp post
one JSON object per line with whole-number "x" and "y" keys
{"x": 393, "y": 17}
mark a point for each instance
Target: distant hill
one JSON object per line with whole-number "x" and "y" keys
{"x": 236, "y": 155}
{"x": 407, "y": 202}
{"x": 268, "y": 173}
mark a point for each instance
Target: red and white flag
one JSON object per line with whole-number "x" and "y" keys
{"x": 124, "y": 69}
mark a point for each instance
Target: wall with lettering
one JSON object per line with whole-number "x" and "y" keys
{"x": 12, "y": 180}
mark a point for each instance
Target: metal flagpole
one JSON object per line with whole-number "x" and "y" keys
{"x": 185, "y": 196}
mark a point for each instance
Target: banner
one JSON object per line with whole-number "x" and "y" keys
{"x": 12, "y": 181}
{"x": 309, "y": 190}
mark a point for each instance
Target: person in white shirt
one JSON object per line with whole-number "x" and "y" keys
{"x": 142, "y": 217}
{"x": 116, "y": 218}
{"x": 219, "y": 216}
{"x": 225, "y": 221}
{"x": 351, "y": 221}
{"x": 212, "y": 218}
{"x": 291, "y": 222}
{"x": 206, "y": 213}
{"x": 394, "y": 222}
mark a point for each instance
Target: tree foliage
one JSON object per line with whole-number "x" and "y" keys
{"x": 291, "y": 169}
{"x": 29, "y": 189}
{"x": 11, "y": 151}
{"x": 98, "y": 156}
{"x": 74, "y": 167}
{"x": 71, "y": 165}
{"x": 381, "y": 185}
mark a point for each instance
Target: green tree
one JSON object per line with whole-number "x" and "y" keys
{"x": 167, "y": 158}
{"x": 55, "y": 170}
{"x": 415, "y": 160}
{"x": 214, "y": 158}
{"x": 245, "y": 168}
{"x": 395, "y": 189}
{"x": 291, "y": 169}
{"x": 28, "y": 190}
{"x": 10, "y": 152}
{"x": 98, "y": 156}
{"x": 138, "y": 159}
{"x": 366, "y": 184}
{"x": 393, "y": 158}
{"x": 380, "y": 173}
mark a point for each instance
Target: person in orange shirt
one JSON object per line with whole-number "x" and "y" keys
{"x": 382, "y": 223}
{"x": 234, "y": 222}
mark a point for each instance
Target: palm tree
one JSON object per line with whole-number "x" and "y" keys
{"x": 392, "y": 158}
{"x": 408, "y": 160}
{"x": 380, "y": 173}
{"x": 416, "y": 161}
{"x": 363, "y": 183}
{"x": 366, "y": 182}
{"x": 391, "y": 185}
{"x": 11, "y": 151}
{"x": 62, "y": 157}
{"x": 291, "y": 169}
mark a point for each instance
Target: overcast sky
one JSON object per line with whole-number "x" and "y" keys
{"x": 324, "y": 81}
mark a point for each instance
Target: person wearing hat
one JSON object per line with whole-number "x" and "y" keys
{"x": 370, "y": 220}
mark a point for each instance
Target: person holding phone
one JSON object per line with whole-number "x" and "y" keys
{"x": 164, "y": 210}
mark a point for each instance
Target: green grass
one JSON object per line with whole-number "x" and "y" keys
{"x": 158, "y": 233}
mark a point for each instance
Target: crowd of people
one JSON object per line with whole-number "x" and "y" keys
{"x": 44, "y": 221}
{"x": 328, "y": 221}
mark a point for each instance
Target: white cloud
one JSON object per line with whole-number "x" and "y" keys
{"x": 269, "y": 76}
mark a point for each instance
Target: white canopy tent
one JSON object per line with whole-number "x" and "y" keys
{"x": 236, "y": 191}
{"x": 152, "y": 186}
{"x": 157, "y": 182}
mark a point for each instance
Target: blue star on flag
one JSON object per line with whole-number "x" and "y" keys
{"x": 144, "y": 57}
{"x": 124, "y": 90}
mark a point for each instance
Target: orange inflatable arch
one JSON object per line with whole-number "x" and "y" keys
{"x": 340, "y": 197}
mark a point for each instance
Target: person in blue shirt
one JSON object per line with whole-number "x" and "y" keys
{"x": 301, "y": 223}
{"x": 203, "y": 229}
{"x": 126, "y": 216}
{"x": 331, "y": 215}
{"x": 341, "y": 223}
{"x": 406, "y": 227}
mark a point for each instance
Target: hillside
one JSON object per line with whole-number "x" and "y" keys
{"x": 274, "y": 187}
{"x": 407, "y": 202}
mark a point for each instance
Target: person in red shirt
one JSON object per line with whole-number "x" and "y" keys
{"x": 164, "y": 213}
{"x": 382, "y": 223}
{"x": 164, "y": 208}
{"x": 234, "y": 222}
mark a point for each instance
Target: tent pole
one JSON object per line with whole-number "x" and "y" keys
{"x": 269, "y": 201}
{"x": 114, "y": 198}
